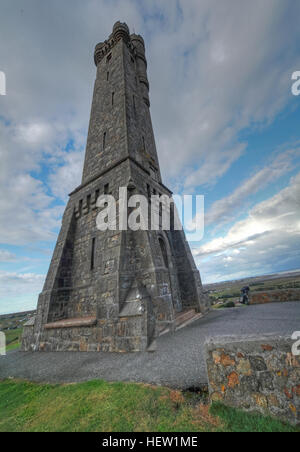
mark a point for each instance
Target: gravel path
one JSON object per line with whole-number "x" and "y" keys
{"x": 178, "y": 361}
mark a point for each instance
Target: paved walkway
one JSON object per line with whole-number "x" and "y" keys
{"x": 178, "y": 361}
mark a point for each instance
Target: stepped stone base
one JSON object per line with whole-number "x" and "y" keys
{"x": 182, "y": 319}
{"x": 69, "y": 323}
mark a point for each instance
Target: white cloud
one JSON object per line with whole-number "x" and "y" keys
{"x": 214, "y": 69}
{"x": 268, "y": 239}
{"x": 34, "y": 134}
{"x": 28, "y": 212}
{"x": 26, "y": 215}
{"x": 7, "y": 256}
{"x": 19, "y": 291}
{"x": 221, "y": 211}
{"x": 223, "y": 67}
{"x": 67, "y": 177}
{"x": 279, "y": 213}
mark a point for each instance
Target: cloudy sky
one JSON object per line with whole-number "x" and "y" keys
{"x": 223, "y": 115}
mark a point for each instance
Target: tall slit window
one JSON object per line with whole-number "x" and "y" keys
{"x": 88, "y": 202}
{"x": 148, "y": 191}
{"x": 80, "y": 207}
{"x": 106, "y": 189}
{"x": 104, "y": 140}
{"x": 134, "y": 107}
{"x": 160, "y": 206}
{"x": 107, "y": 76}
{"x": 164, "y": 252}
{"x": 93, "y": 254}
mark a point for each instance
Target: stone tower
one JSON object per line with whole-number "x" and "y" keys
{"x": 116, "y": 291}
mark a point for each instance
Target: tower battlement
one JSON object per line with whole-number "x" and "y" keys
{"x": 120, "y": 32}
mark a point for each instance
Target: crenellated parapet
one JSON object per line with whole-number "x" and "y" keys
{"x": 85, "y": 205}
{"x": 120, "y": 32}
{"x": 135, "y": 44}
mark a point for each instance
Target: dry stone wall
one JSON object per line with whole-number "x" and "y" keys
{"x": 255, "y": 374}
{"x": 273, "y": 296}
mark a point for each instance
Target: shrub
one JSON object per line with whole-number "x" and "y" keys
{"x": 229, "y": 304}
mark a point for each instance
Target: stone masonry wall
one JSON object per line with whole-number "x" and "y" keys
{"x": 273, "y": 296}
{"x": 255, "y": 374}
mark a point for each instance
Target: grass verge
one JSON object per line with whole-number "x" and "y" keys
{"x": 98, "y": 406}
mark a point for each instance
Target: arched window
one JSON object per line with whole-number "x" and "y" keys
{"x": 164, "y": 252}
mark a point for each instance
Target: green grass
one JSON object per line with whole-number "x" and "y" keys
{"x": 98, "y": 406}
{"x": 239, "y": 421}
{"x": 13, "y": 346}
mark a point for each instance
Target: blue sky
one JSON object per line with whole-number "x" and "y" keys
{"x": 222, "y": 110}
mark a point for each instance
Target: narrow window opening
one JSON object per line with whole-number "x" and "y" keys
{"x": 160, "y": 206}
{"x": 148, "y": 191}
{"x": 160, "y": 212}
{"x": 97, "y": 194}
{"x": 172, "y": 217}
{"x": 107, "y": 76}
{"x": 104, "y": 140}
{"x": 106, "y": 189}
{"x": 88, "y": 202}
{"x": 93, "y": 254}
{"x": 164, "y": 252}
{"x": 144, "y": 146}
{"x": 80, "y": 207}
